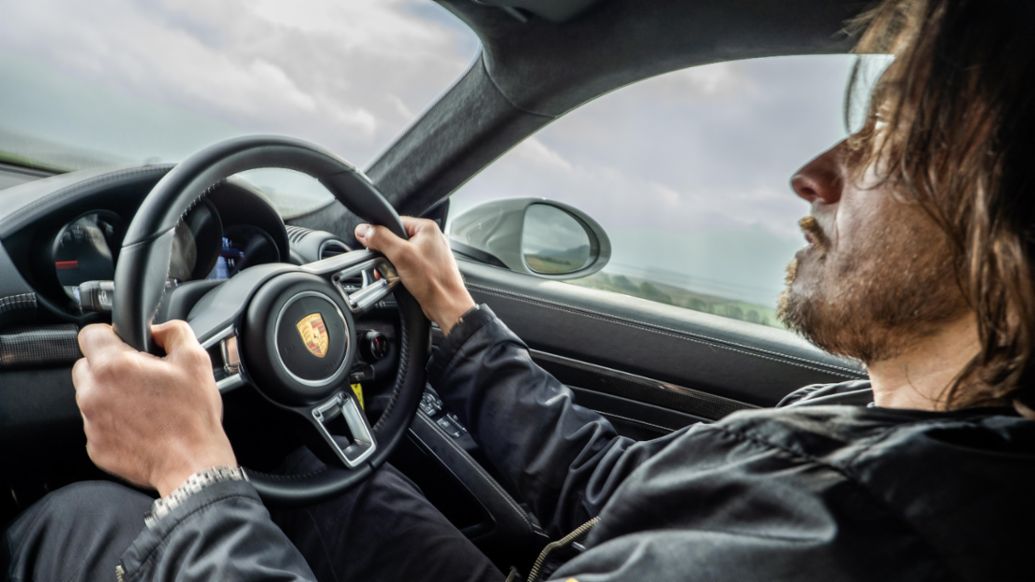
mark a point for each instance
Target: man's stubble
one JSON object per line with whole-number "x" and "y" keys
{"x": 875, "y": 298}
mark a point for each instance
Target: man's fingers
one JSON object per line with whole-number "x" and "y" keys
{"x": 79, "y": 373}
{"x": 414, "y": 225}
{"x": 411, "y": 224}
{"x": 98, "y": 339}
{"x": 379, "y": 238}
{"x": 81, "y": 381}
{"x": 173, "y": 336}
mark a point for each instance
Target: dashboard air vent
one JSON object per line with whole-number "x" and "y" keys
{"x": 309, "y": 245}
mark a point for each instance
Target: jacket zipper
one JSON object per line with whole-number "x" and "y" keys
{"x": 566, "y": 540}
{"x": 120, "y": 573}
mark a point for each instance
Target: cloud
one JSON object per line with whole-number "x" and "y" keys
{"x": 349, "y": 75}
{"x": 538, "y": 155}
{"x": 666, "y": 196}
{"x": 717, "y": 81}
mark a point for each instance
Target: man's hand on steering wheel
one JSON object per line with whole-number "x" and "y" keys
{"x": 426, "y": 267}
{"x": 152, "y": 421}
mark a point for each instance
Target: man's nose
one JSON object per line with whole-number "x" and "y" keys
{"x": 820, "y": 180}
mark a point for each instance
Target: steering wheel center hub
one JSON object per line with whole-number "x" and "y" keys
{"x": 311, "y": 337}
{"x": 298, "y": 339}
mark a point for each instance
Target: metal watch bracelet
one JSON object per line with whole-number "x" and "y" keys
{"x": 195, "y": 483}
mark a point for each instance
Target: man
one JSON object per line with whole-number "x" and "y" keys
{"x": 919, "y": 264}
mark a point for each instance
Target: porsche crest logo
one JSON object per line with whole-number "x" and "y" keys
{"x": 314, "y": 334}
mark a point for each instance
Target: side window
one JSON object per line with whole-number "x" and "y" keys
{"x": 687, "y": 173}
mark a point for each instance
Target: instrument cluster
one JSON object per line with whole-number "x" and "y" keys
{"x": 207, "y": 245}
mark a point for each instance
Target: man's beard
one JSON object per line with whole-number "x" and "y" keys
{"x": 877, "y": 299}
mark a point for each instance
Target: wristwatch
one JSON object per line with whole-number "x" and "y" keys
{"x": 196, "y": 482}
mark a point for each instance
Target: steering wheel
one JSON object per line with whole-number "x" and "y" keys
{"x": 287, "y": 331}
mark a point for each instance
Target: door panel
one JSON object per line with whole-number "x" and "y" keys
{"x": 698, "y": 365}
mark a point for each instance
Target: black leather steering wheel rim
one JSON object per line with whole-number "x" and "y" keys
{"x": 143, "y": 266}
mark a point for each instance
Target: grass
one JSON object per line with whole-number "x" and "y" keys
{"x": 25, "y": 162}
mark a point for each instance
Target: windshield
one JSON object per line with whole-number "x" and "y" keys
{"x": 129, "y": 81}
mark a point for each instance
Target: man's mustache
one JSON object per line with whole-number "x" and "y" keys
{"x": 813, "y": 232}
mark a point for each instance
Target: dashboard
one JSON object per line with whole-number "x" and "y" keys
{"x": 60, "y": 239}
{"x": 232, "y": 228}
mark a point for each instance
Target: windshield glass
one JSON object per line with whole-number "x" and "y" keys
{"x": 129, "y": 81}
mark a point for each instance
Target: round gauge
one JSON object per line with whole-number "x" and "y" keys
{"x": 84, "y": 249}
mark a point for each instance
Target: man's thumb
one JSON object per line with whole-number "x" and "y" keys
{"x": 379, "y": 238}
{"x": 173, "y": 335}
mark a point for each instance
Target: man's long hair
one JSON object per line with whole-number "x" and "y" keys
{"x": 951, "y": 127}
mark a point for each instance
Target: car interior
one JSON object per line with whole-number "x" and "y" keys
{"x": 91, "y": 246}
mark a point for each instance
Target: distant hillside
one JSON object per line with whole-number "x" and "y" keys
{"x": 558, "y": 261}
{"x": 680, "y": 297}
{"x": 23, "y": 150}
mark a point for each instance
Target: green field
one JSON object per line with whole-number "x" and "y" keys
{"x": 25, "y": 162}
{"x": 680, "y": 297}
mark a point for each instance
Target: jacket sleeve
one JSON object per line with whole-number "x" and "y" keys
{"x": 564, "y": 460}
{"x": 223, "y": 532}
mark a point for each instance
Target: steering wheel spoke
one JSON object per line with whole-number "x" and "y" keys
{"x": 363, "y": 278}
{"x": 342, "y": 409}
{"x": 225, "y": 352}
{"x": 216, "y": 318}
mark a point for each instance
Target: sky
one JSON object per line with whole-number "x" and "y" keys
{"x": 687, "y": 172}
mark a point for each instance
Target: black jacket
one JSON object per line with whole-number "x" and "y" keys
{"x": 807, "y": 491}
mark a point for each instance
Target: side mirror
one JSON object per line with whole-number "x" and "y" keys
{"x": 534, "y": 236}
